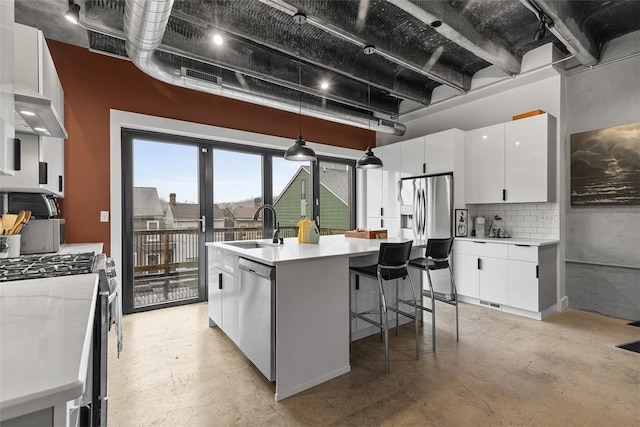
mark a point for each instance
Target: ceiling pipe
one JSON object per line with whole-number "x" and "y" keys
{"x": 145, "y": 22}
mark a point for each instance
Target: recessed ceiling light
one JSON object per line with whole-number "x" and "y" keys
{"x": 27, "y": 113}
{"x": 217, "y": 39}
{"x": 43, "y": 130}
{"x": 324, "y": 85}
{"x": 484, "y": 136}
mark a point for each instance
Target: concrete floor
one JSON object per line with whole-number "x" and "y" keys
{"x": 506, "y": 370}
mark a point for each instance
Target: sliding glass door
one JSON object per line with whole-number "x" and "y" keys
{"x": 165, "y": 222}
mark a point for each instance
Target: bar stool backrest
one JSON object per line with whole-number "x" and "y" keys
{"x": 393, "y": 258}
{"x": 439, "y": 250}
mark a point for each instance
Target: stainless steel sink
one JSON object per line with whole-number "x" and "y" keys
{"x": 251, "y": 244}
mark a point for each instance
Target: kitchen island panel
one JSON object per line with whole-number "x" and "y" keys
{"x": 312, "y": 323}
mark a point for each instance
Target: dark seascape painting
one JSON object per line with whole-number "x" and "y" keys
{"x": 605, "y": 166}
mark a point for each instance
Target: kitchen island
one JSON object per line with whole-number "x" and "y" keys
{"x": 46, "y": 329}
{"x": 311, "y": 303}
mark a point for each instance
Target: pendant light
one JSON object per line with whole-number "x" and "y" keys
{"x": 369, "y": 160}
{"x": 299, "y": 151}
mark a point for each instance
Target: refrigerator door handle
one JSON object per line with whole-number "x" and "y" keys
{"x": 416, "y": 212}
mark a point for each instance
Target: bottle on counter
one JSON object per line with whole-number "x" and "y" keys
{"x": 303, "y": 230}
{"x": 314, "y": 233}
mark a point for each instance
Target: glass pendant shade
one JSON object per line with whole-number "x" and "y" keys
{"x": 369, "y": 161}
{"x": 300, "y": 152}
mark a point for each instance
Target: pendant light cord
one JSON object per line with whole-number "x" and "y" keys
{"x": 369, "y": 91}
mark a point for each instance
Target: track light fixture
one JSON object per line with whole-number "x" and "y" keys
{"x": 299, "y": 151}
{"x": 73, "y": 14}
{"x": 369, "y": 160}
{"x": 545, "y": 23}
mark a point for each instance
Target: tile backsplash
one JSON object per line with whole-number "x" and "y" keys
{"x": 526, "y": 220}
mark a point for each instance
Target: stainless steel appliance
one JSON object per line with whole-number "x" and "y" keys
{"x": 257, "y": 311}
{"x": 40, "y": 236}
{"x": 426, "y": 206}
{"x": 426, "y": 211}
{"x": 93, "y": 405}
{"x": 42, "y": 206}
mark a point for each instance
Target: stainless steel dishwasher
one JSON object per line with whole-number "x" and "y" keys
{"x": 257, "y": 315}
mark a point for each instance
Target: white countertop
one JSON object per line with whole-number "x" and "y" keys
{"x": 45, "y": 338}
{"x": 79, "y": 248}
{"x": 291, "y": 250}
{"x": 511, "y": 240}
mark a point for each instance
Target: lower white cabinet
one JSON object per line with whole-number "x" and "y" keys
{"x": 518, "y": 278}
{"x": 224, "y": 294}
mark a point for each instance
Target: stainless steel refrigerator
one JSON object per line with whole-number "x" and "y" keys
{"x": 426, "y": 211}
{"x": 426, "y": 206}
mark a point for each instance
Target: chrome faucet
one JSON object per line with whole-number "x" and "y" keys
{"x": 276, "y": 225}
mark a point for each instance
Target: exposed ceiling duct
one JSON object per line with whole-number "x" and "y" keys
{"x": 422, "y": 46}
{"x": 145, "y": 22}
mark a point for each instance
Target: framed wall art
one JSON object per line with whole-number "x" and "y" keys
{"x": 462, "y": 222}
{"x": 605, "y": 166}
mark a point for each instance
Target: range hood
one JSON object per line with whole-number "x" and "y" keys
{"x": 36, "y": 114}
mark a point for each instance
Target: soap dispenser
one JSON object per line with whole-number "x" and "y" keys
{"x": 314, "y": 233}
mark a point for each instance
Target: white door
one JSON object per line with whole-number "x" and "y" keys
{"x": 494, "y": 285}
{"x": 523, "y": 285}
{"x": 412, "y": 157}
{"x": 466, "y": 273}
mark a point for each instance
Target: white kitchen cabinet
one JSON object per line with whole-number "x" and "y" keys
{"x": 517, "y": 278}
{"x": 480, "y": 270}
{"x": 224, "y": 292}
{"x": 512, "y": 162}
{"x": 391, "y": 181}
{"x": 7, "y": 103}
{"x": 532, "y": 277}
{"x": 484, "y": 161}
{"x": 431, "y": 154}
{"x": 41, "y": 167}
{"x": 412, "y": 162}
{"x": 530, "y": 165}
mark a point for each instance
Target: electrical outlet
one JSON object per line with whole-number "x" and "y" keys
{"x": 104, "y": 216}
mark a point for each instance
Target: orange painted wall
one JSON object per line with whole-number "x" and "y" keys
{"x": 94, "y": 83}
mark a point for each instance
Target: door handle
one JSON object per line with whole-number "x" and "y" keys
{"x": 219, "y": 280}
{"x": 203, "y": 223}
{"x": 479, "y": 264}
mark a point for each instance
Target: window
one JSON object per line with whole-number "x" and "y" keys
{"x": 153, "y": 225}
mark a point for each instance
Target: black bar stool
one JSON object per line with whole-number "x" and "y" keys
{"x": 392, "y": 264}
{"x": 437, "y": 256}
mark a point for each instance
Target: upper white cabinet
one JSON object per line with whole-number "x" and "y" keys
{"x": 412, "y": 160}
{"x": 41, "y": 166}
{"x": 7, "y": 121}
{"x": 530, "y": 154}
{"x": 512, "y": 162}
{"x": 484, "y": 160}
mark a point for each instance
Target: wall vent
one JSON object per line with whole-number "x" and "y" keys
{"x": 200, "y": 75}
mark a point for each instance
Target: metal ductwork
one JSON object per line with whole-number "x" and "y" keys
{"x": 145, "y": 22}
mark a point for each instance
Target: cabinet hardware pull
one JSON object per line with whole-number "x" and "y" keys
{"x": 43, "y": 173}
{"x": 479, "y": 266}
{"x": 524, "y": 246}
{"x": 219, "y": 280}
{"x": 381, "y": 223}
{"x": 60, "y": 183}
{"x": 381, "y": 211}
{"x": 17, "y": 154}
{"x": 477, "y": 241}
{"x": 504, "y": 194}
{"x": 424, "y": 168}
{"x": 537, "y": 271}
{"x": 357, "y": 282}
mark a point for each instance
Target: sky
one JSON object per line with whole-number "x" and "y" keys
{"x": 173, "y": 168}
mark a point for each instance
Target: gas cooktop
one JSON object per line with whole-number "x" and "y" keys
{"x": 44, "y": 266}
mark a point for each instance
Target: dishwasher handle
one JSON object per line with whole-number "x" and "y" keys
{"x": 256, "y": 268}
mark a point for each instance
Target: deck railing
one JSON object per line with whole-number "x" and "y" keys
{"x": 165, "y": 265}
